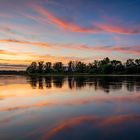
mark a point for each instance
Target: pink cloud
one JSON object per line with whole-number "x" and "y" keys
{"x": 61, "y": 23}
{"x": 126, "y": 50}
{"x": 117, "y": 29}
{"x": 49, "y": 17}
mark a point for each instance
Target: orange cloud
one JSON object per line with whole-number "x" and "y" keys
{"x": 61, "y": 23}
{"x": 39, "y": 44}
{"x": 129, "y": 50}
{"x": 96, "y": 28}
{"x": 7, "y": 52}
{"x": 27, "y": 58}
{"x": 117, "y": 29}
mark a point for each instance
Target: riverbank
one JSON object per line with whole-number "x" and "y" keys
{"x": 60, "y": 74}
{"x": 13, "y": 72}
{"x": 45, "y": 75}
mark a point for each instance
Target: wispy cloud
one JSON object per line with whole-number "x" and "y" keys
{"x": 117, "y": 29}
{"x": 7, "y": 30}
{"x": 5, "y": 15}
{"x": 27, "y": 58}
{"x": 44, "y": 13}
{"x": 97, "y": 27}
{"x": 7, "y": 52}
{"x": 39, "y": 44}
{"x": 129, "y": 50}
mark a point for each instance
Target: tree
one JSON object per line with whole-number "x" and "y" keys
{"x": 58, "y": 67}
{"x": 80, "y": 67}
{"x": 104, "y": 66}
{"x": 115, "y": 63}
{"x": 137, "y": 61}
{"x": 71, "y": 66}
{"x": 131, "y": 66}
{"x": 130, "y": 62}
{"x": 48, "y": 67}
{"x": 117, "y": 66}
{"x": 40, "y": 66}
{"x": 105, "y": 61}
{"x": 107, "y": 69}
{"x": 93, "y": 68}
{"x": 32, "y": 68}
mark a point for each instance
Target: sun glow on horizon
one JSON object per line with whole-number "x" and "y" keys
{"x": 36, "y": 30}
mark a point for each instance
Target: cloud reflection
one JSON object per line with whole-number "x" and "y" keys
{"x": 93, "y": 127}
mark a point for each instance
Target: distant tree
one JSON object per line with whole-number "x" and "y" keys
{"x": 117, "y": 66}
{"x": 104, "y": 66}
{"x": 48, "y": 67}
{"x": 93, "y": 68}
{"x": 58, "y": 67}
{"x": 130, "y": 66}
{"x": 32, "y": 68}
{"x": 137, "y": 61}
{"x": 71, "y": 66}
{"x": 80, "y": 67}
{"x": 115, "y": 63}
{"x": 90, "y": 68}
{"x": 130, "y": 62}
{"x": 105, "y": 61}
{"x": 40, "y": 66}
{"x": 107, "y": 69}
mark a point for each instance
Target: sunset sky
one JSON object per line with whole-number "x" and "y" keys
{"x": 63, "y": 30}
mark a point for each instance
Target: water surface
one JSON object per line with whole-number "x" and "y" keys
{"x": 69, "y": 108}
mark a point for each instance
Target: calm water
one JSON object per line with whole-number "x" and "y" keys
{"x": 69, "y": 108}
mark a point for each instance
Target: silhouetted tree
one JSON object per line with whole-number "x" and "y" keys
{"x": 48, "y": 67}
{"x": 117, "y": 66}
{"x": 93, "y": 68}
{"x": 32, "y": 68}
{"x": 71, "y": 66}
{"x": 58, "y": 67}
{"x": 137, "y": 61}
{"x": 131, "y": 66}
{"x": 40, "y": 66}
{"x": 104, "y": 66}
{"x": 80, "y": 67}
{"x": 105, "y": 61}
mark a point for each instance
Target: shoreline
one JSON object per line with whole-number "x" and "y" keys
{"x": 23, "y": 73}
{"x": 93, "y": 75}
{"x": 83, "y": 75}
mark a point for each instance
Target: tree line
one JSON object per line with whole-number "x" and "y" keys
{"x": 104, "y": 66}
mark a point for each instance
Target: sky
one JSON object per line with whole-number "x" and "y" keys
{"x": 64, "y": 30}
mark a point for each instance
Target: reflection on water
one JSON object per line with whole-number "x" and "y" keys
{"x": 70, "y": 108}
{"x": 106, "y": 83}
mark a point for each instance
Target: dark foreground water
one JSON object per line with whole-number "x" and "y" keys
{"x": 69, "y": 108}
